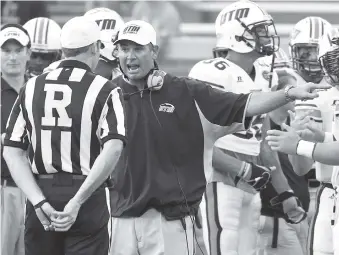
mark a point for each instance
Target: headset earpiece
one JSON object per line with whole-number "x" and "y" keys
{"x": 155, "y": 80}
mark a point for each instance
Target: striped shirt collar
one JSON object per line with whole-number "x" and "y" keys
{"x": 74, "y": 63}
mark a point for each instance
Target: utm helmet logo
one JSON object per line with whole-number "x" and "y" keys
{"x": 132, "y": 29}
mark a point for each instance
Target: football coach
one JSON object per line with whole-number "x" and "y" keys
{"x": 75, "y": 124}
{"x": 172, "y": 124}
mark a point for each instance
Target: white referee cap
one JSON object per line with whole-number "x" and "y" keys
{"x": 79, "y": 32}
{"x": 137, "y": 31}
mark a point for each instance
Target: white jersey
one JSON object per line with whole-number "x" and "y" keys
{"x": 324, "y": 114}
{"x": 335, "y": 132}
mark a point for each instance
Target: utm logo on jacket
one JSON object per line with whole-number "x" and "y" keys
{"x": 166, "y": 107}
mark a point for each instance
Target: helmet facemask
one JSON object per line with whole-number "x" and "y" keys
{"x": 260, "y": 36}
{"x": 39, "y": 60}
{"x": 330, "y": 64}
{"x": 308, "y": 68}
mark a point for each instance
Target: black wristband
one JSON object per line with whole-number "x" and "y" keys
{"x": 281, "y": 198}
{"x": 38, "y": 205}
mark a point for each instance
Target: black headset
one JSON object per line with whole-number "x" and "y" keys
{"x": 154, "y": 81}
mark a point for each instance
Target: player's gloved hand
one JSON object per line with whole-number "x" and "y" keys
{"x": 64, "y": 220}
{"x": 258, "y": 176}
{"x": 294, "y": 213}
{"x": 45, "y": 213}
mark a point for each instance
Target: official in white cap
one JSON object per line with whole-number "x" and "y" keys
{"x": 80, "y": 39}
{"x": 74, "y": 121}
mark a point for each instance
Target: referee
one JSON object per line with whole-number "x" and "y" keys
{"x": 74, "y": 121}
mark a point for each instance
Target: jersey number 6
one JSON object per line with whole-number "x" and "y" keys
{"x": 220, "y": 65}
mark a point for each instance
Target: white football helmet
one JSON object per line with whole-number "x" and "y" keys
{"x": 110, "y": 23}
{"x": 243, "y": 27}
{"x": 329, "y": 56}
{"x": 303, "y": 47}
{"x": 46, "y": 46}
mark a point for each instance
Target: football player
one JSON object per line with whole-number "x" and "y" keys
{"x": 326, "y": 110}
{"x": 304, "y": 47}
{"x": 46, "y": 48}
{"x": 230, "y": 209}
{"x": 109, "y": 22}
{"x": 278, "y": 235}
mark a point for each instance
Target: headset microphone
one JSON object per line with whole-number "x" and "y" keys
{"x": 154, "y": 81}
{"x": 128, "y": 95}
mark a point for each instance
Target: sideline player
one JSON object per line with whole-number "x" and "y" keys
{"x": 230, "y": 214}
{"x": 46, "y": 47}
{"x": 109, "y": 23}
{"x": 304, "y": 46}
{"x": 324, "y": 151}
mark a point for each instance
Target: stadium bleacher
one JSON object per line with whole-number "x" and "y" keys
{"x": 197, "y": 29}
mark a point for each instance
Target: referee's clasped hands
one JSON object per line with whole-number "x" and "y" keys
{"x": 53, "y": 220}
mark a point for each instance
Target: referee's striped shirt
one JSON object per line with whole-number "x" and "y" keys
{"x": 67, "y": 115}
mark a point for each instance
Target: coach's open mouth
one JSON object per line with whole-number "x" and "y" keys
{"x": 133, "y": 67}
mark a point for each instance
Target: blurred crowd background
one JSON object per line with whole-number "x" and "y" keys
{"x": 185, "y": 28}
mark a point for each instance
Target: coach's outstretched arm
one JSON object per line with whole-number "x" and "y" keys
{"x": 263, "y": 102}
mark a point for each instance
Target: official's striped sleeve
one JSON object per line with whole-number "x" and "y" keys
{"x": 113, "y": 124}
{"x": 16, "y": 131}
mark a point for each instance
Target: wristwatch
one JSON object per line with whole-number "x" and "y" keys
{"x": 287, "y": 97}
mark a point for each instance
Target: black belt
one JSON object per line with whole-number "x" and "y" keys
{"x": 64, "y": 178}
{"x": 8, "y": 182}
{"x": 327, "y": 185}
{"x": 53, "y": 176}
{"x": 61, "y": 178}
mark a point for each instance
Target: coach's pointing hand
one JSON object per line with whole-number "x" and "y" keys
{"x": 64, "y": 220}
{"x": 307, "y": 91}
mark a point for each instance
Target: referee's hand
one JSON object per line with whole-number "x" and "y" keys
{"x": 45, "y": 214}
{"x": 64, "y": 220}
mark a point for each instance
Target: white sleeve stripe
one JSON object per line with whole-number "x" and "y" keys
{"x": 77, "y": 74}
{"x": 119, "y": 112}
{"x": 53, "y": 75}
{"x": 86, "y": 128}
{"x": 104, "y": 128}
{"x": 29, "y": 93}
{"x": 10, "y": 114}
{"x": 19, "y": 128}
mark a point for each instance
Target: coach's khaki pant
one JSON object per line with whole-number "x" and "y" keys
{"x": 151, "y": 234}
{"x": 12, "y": 221}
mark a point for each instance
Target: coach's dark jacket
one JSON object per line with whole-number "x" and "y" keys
{"x": 165, "y": 149}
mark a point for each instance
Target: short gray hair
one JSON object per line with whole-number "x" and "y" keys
{"x": 75, "y": 52}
